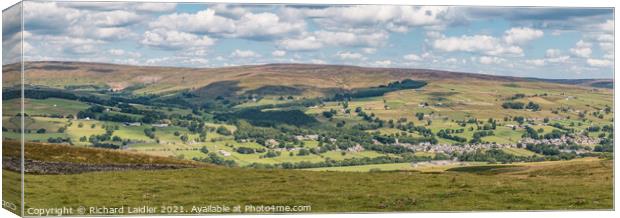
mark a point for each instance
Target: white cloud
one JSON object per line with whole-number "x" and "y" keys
{"x": 491, "y": 60}
{"x": 278, "y": 53}
{"x": 51, "y": 18}
{"x": 205, "y": 21}
{"x": 174, "y": 40}
{"x": 196, "y": 61}
{"x": 317, "y": 61}
{"x": 117, "y": 52}
{"x": 265, "y": 25}
{"x": 121, "y": 52}
{"x": 350, "y": 55}
{"x": 369, "y": 50}
{"x": 249, "y": 25}
{"x": 412, "y": 57}
{"x": 48, "y": 17}
{"x": 582, "y": 49}
{"x": 352, "y": 39}
{"x": 227, "y": 10}
{"x": 156, "y": 7}
{"x": 244, "y": 54}
{"x": 536, "y": 62}
{"x": 433, "y": 34}
{"x": 319, "y": 39}
{"x": 383, "y": 63}
{"x": 521, "y": 35}
{"x": 450, "y": 61}
{"x": 553, "y": 53}
{"x": 57, "y": 45}
{"x": 599, "y": 62}
{"x": 608, "y": 26}
{"x": 393, "y": 18}
{"x": 112, "y": 18}
{"x": 477, "y": 43}
{"x": 305, "y": 43}
{"x": 560, "y": 59}
{"x": 107, "y": 33}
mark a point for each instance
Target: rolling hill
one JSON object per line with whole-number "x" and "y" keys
{"x": 314, "y": 78}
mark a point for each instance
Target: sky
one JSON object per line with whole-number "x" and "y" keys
{"x": 544, "y": 42}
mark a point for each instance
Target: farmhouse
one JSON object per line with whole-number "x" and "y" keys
{"x": 160, "y": 125}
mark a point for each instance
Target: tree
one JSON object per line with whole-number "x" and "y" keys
{"x": 223, "y": 131}
{"x": 419, "y": 115}
{"x": 328, "y": 114}
{"x": 204, "y": 150}
{"x": 184, "y": 138}
{"x": 41, "y": 131}
{"x": 150, "y": 132}
{"x": 303, "y": 152}
{"x": 532, "y": 106}
{"x": 358, "y": 109}
{"x": 245, "y": 150}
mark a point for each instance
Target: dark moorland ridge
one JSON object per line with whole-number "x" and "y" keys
{"x": 109, "y": 68}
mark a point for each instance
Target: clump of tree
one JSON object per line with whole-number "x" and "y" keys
{"x": 447, "y": 134}
{"x": 150, "y": 132}
{"x": 520, "y": 105}
{"x": 217, "y": 160}
{"x": 477, "y": 137}
{"x": 380, "y": 90}
{"x": 517, "y": 96}
{"x": 543, "y": 149}
{"x": 271, "y": 154}
{"x": 223, "y": 131}
{"x": 513, "y": 105}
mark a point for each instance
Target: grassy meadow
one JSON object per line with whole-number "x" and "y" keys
{"x": 573, "y": 185}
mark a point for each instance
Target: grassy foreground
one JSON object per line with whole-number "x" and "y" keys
{"x": 569, "y": 185}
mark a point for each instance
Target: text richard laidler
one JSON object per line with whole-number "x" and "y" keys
{"x": 59, "y": 211}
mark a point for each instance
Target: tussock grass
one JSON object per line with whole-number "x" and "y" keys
{"x": 540, "y": 187}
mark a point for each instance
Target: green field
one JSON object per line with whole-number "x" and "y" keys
{"x": 50, "y": 106}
